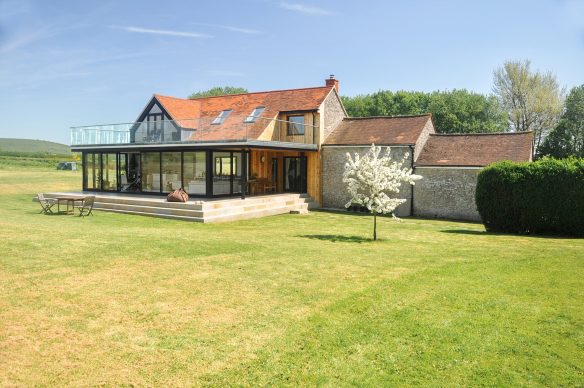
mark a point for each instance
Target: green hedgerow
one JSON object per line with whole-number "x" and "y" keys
{"x": 542, "y": 197}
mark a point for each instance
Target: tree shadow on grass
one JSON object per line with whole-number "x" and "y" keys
{"x": 525, "y": 235}
{"x": 336, "y": 238}
{"x": 467, "y": 231}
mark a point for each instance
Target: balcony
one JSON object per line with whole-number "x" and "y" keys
{"x": 195, "y": 131}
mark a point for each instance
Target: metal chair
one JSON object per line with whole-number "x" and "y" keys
{"x": 46, "y": 203}
{"x": 86, "y": 208}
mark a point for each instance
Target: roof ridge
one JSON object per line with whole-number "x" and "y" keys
{"x": 259, "y": 92}
{"x": 482, "y": 133}
{"x": 388, "y": 117}
{"x": 175, "y": 98}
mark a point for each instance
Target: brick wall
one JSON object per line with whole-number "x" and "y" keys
{"x": 446, "y": 192}
{"x": 334, "y": 191}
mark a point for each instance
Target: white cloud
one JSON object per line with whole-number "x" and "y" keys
{"x": 307, "y": 9}
{"x": 240, "y": 30}
{"x": 182, "y": 34}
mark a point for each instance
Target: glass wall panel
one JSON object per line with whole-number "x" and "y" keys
{"x": 133, "y": 169}
{"x": 221, "y": 173}
{"x": 109, "y": 173}
{"x": 151, "y": 172}
{"x": 123, "y": 170}
{"x": 92, "y": 168}
{"x": 171, "y": 171}
{"x": 195, "y": 172}
{"x": 236, "y": 163}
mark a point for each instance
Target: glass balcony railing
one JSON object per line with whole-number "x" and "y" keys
{"x": 232, "y": 129}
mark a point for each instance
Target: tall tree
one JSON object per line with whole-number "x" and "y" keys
{"x": 533, "y": 100}
{"x": 218, "y": 91}
{"x": 567, "y": 138}
{"x": 454, "y": 111}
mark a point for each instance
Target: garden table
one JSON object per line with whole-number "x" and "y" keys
{"x": 70, "y": 200}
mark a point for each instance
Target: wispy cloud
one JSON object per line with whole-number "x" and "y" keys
{"x": 303, "y": 8}
{"x": 226, "y": 73}
{"x": 183, "y": 34}
{"x": 240, "y": 30}
{"x": 24, "y": 39}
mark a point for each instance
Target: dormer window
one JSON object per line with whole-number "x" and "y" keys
{"x": 296, "y": 125}
{"x": 221, "y": 117}
{"x": 257, "y": 112}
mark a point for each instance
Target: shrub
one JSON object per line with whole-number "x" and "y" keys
{"x": 543, "y": 197}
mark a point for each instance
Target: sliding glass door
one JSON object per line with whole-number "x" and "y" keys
{"x": 171, "y": 171}
{"x": 92, "y": 171}
{"x": 195, "y": 172}
{"x": 295, "y": 174}
{"x": 150, "y": 162}
{"x": 109, "y": 172}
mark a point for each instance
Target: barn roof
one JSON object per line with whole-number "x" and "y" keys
{"x": 475, "y": 150}
{"x": 382, "y": 130}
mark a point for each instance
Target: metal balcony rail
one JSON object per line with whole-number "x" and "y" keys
{"x": 202, "y": 130}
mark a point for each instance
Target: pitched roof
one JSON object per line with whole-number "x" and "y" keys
{"x": 475, "y": 150}
{"x": 384, "y": 130}
{"x": 203, "y": 110}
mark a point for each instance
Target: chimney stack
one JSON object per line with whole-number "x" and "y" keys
{"x": 332, "y": 81}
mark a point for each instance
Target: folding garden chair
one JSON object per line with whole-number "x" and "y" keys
{"x": 46, "y": 203}
{"x": 87, "y": 207}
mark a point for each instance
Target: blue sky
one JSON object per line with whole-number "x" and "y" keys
{"x": 68, "y": 63}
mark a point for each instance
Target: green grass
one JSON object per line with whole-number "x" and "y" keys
{"x": 284, "y": 300}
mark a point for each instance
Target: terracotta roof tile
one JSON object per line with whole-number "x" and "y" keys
{"x": 199, "y": 112}
{"x": 475, "y": 150}
{"x": 383, "y": 130}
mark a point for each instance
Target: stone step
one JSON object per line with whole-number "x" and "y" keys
{"x": 248, "y": 215}
{"x": 149, "y": 209}
{"x": 158, "y": 215}
{"x": 189, "y": 212}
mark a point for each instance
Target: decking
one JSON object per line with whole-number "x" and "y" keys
{"x": 200, "y": 210}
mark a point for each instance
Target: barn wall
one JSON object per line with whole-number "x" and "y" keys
{"x": 446, "y": 192}
{"x": 334, "y": 191}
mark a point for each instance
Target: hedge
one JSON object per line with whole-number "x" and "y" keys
{"x": 542, "y": 197}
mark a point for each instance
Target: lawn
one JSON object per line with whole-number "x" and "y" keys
{"x": 284, "y": 300}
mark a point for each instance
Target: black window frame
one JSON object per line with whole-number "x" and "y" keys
{"x": 289, "y": 130}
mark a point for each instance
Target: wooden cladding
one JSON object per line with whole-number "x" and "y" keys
{"x": 262, "y": 164}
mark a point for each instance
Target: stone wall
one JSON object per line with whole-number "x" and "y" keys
{"x": 423, "y": 138}
{"x": 334, "y": 192}
{"x": 446, "y": 192}
{"x": 333, "y": 113}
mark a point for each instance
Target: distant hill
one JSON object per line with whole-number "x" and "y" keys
{"x": 27, "y": 146}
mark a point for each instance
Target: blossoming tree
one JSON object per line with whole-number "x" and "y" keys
{"x": 374, "y": 179}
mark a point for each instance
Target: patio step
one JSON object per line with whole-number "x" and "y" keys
{"x": 197, "y": 210}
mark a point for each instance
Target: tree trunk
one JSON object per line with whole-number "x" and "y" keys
{"x": 374, "y": 227}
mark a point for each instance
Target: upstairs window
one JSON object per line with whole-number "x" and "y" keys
{"x": 257, "y": 112}
{"x": 221, "y": 117}
{"x": 295, "y": 125}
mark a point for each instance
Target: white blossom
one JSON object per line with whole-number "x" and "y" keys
{"x": 373, "y": 180}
